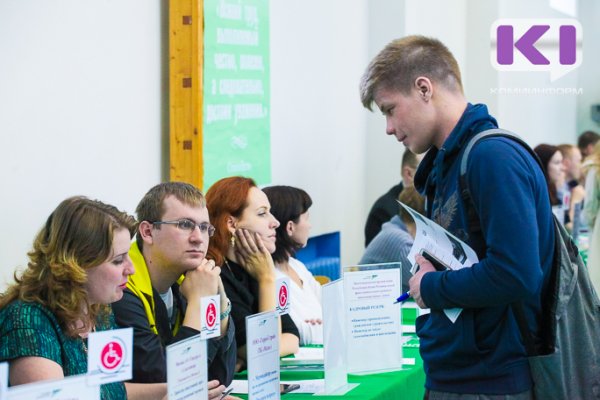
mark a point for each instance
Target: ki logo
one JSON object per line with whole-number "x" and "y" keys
{"x": 552, "y": 45}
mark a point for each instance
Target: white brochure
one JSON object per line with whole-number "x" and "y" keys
{"x": 210, "y": 307}
{"x": 69, "y": 388}
{"x": 3, "y": 380}
{"x": 444, "y": 250}
{"x": 110, "y": 355}
{"x": 372, "y": 319}
{"x": 304, "y": 386}
{"x": 187, "y": 369}
{"x": 262, "y": 344}
{"x": 283, "y": 295}
{"x": 334, "y": 339}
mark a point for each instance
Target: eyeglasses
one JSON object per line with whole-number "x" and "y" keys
{"x": 189, "y": 225}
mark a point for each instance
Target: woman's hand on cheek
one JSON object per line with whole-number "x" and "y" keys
{"x": 253, "y": 255}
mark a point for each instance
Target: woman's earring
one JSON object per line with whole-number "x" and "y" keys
{"x": 232, "y": 241}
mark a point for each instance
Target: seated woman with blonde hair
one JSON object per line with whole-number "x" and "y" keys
{"x": 242, "y": 244}
{"x": 78, "y": 265}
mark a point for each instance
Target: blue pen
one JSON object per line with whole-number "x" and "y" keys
{"x": 403, "y": 297}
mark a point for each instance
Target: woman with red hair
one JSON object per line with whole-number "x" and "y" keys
{"x": 242, "y": 244}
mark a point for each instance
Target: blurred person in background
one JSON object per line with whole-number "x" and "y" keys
{"x": 394, "y": 241}
{"x": 591, "y": 169}
{"x": 386, "y": 206}
{"x": 554, "y": 172}
{"x": 572, "y": 186}
{"x": 586, "y": 142}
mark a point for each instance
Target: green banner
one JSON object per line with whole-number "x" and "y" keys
{"x": 236, "y": 124}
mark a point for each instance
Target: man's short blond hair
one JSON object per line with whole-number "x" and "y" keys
{"x": 403, "y": 60}
{"x": 567, "y": 150}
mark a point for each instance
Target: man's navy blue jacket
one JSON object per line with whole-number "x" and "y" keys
{"x": 482, "y": 352}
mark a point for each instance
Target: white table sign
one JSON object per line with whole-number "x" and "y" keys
{"x": 3, "y": 379}
{"x": 283, "y": 295}
{"x": 70, "y": 388}
{"x": 110, "y": 355}
{"x": 187, "y": 369}
{"x": 372, "y": 319}
{"x": 262, "y": 343}
{"x": 210, "y": 307}
{"x": 334, "y": 339}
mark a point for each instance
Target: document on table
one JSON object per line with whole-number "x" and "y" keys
{"x": 306, "y": 355}
{"x": 444, "y": 250}
{"x": 70, "y": 388}
{"x": 305, "y": 386}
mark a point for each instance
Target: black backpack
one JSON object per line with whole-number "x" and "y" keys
{"x": 566, "y": 364}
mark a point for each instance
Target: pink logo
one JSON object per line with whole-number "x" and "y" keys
{"x": 283, "y": 296}
{"x": 211, "y": 315}
{"x": 111, "y": 356}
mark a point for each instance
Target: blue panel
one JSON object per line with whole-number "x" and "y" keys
{"x": 322, "y": 255}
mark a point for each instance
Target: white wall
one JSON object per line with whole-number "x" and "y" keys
{"x": 83, "y": 87}
{"x": 383, "y": 154}
{"x": 318, "y": 51}
{"x": 84, "y": 101}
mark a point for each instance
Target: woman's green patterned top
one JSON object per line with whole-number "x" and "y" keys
{"x": 31, "y": 330}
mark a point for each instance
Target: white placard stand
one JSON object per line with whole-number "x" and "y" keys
{"x": 187, "y": 369}
{"x": 262, "y": 346}
{"x": 110, "y": 355}
{"x": 210, "y": 307}
{"x": 374, "y": 342}
{"x": 334, "y": 339}
{"x": 282, "y": 301}
{"x": 3, "y": 380}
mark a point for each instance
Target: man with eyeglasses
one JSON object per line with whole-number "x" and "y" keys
{"x": 162, "y": 299}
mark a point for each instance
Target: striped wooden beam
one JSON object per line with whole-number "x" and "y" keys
{"x": 185, "y": 90}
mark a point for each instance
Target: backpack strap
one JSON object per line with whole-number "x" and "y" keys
{"x": 475, "y": 226}
{"x": 496, "y": 132}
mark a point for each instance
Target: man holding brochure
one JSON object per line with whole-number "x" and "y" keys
{"x": 160, "y": 304}
{"x": 416, "y": 83}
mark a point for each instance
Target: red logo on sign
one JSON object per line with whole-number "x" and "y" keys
{"x": 211, "y": 315}
{"x": 111, "y": 356}
{"x": 283, "y": 296}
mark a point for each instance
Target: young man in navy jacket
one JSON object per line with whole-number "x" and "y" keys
{"x": 415, "y": 82}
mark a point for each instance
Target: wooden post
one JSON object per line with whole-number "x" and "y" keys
{"x": 185, "y": 90}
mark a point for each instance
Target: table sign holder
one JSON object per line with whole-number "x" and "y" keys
{"x": 70, "y": 388}
{"x": 282, "y": 301}
{"x": 334, "y": 340}
{"x": 187, "y": 371}
{"x": 373, "y": 321}
{"x": 262, "y": 344}
{"x": 210, "y": 307}
{"x": 110, "y": 355}
{"x": 3, "y": 380}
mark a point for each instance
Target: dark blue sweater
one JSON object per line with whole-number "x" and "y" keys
{"x": 482, "y": 352}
